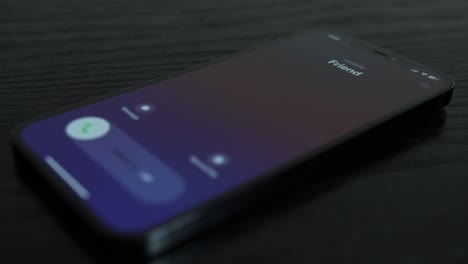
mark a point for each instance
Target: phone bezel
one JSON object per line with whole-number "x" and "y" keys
{"x": 199, "y": 211}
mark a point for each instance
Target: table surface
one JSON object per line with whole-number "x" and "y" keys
{"x": 407, "y": 206}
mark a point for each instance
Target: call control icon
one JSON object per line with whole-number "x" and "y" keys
{"x": 219, "y": 159}
{"x": 145, "y": 108}
{"x": 87, "y": 128}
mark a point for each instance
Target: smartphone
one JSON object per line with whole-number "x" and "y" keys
{"x": 156, "y": 163}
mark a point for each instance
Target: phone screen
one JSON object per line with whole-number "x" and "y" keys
{"x": 144, "y": 156}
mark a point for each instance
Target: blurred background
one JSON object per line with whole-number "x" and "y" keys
{"x": 58, "y": 52}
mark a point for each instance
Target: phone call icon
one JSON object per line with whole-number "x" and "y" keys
{"x": 87, "y": 128}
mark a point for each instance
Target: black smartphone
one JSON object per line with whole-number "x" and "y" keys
{"x": 155, "y": 163}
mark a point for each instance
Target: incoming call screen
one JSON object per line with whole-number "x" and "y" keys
{"x": 139, "y": 158}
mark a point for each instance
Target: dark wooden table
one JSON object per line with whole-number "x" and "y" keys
{"x": 407, "y": 206}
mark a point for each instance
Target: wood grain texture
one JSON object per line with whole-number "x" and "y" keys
{"x": 408, "y": 207}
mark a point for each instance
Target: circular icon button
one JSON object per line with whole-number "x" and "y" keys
{"x": 145, "y": 108}
{"x": 87, "y": 128}
{"x": 219, "y": 159}
{"x": 425, "y": 85}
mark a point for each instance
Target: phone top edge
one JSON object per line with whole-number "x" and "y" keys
{"x": 37, "y": 117}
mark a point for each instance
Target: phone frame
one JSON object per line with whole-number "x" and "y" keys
{"x": 156, "y": 239}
